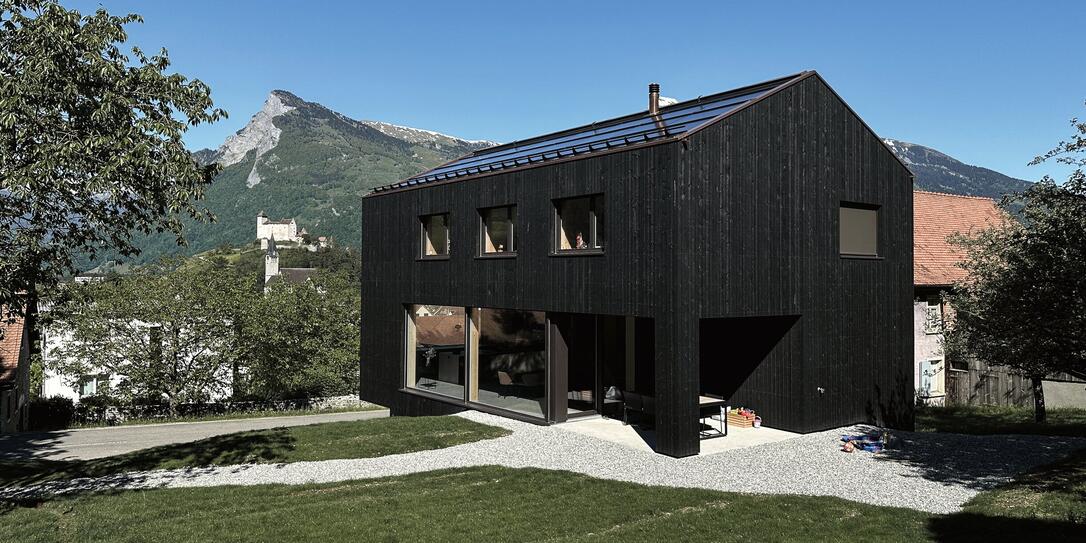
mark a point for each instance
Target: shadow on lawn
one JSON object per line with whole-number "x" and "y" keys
{"x": 973, "y": 461}
{"x": 261, "y": 446}
{"x": 988, "y": 529}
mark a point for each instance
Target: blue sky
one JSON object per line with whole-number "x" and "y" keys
{"x": 991, "y": 83}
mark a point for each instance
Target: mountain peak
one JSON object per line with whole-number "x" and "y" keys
{"x": 288, "y": 98}
{"x": 260, "y": 134}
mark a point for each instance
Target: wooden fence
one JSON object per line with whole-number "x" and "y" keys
{"x": 982, "y": 384}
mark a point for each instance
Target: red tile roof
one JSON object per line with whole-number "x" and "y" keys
{"x": 11, "y": 346}
{"x": 936, "y": 216}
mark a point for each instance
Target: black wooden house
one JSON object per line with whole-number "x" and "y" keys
{"x": 753, "y": 245}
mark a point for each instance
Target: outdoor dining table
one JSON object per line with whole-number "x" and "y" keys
{"x": 710, "y": 403}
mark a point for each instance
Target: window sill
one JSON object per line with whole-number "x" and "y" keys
{"x": 458, "y": 402}
{"x": 432, "y": 258}
{"x": 432, "y": 395}
{"x": 862, "y": 257}
{"x": 578, "y": 252}
{"x": 488, "y": 256}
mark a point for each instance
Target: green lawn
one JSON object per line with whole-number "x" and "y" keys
{"x": 238, "y": 415}
{"x": 999, "y": 420}
{"x": 474, "y": 504}
{"x": 503, "y": 504}
{"x": 1056, "y": 492}
{"x": 328, "y": 441}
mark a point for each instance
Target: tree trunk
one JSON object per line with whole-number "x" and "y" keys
{"x": 33, "y": 327}
{"x": 1039, "y": 413}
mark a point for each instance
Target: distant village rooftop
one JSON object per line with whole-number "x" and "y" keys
{"x": 937, "y": 217}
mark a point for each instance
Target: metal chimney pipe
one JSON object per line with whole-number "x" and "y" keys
{"x": 654, "y": 98}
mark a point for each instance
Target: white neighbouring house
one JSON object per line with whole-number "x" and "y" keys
{"x": 939, "y": 381}
{"x": 285, "y": 231}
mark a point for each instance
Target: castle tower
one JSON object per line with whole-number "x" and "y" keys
{"x": 271, "y": 261}
{"x": 261, "y": 220}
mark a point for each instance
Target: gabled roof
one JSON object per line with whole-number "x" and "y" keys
{"x": 936, "y": 217}
{"x": 11, "y": 346}
{"x": 671, "y": 123}
{"x": 293, "y": 275}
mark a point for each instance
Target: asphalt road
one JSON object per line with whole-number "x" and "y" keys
{"x": 98, "y": 442}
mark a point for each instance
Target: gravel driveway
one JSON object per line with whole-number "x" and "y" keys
{"x": 925, "y": 471}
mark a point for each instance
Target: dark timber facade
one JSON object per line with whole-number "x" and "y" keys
{"x": 722, "y": 273}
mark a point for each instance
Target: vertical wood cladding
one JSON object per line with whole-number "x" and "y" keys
{"x": 738, "y": 221}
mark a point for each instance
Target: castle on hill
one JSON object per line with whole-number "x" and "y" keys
{"x": 284, "y": 231}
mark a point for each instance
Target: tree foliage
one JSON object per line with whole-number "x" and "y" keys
{"x": 167, "y": 331}
{"x": 303, "y": 339}
{"x": 201, "y": 329}
{"x": 90, "y": 142}
{"x": 1023, "y": 305}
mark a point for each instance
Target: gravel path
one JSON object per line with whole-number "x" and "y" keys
{"x": 924, "y": 471}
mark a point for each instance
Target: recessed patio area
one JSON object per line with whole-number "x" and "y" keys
{"x": 643, "y": 439}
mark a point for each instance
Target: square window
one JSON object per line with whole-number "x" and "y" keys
{"x": 859, "y": 230}
{"x": 497, "y": 230}
{"x": 579, "y": 224}
{"x": 435, "y": 235}
{"x": 933, "y": 317}
{"x": 87, "y": 386}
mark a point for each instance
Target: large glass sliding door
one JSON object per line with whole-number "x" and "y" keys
{"x": 511, "y": 372}
{"x": 550, "y": 366}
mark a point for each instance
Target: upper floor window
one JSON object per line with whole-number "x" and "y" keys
{"x": 579, "y": 224}
{"x": 859, "y": 229}
{"x": 933, "y": 316}
{"x": 497, "y": 229}
{"x": 435, "y": 235}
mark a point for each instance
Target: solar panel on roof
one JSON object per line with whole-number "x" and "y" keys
{"x": 672, "y": 121}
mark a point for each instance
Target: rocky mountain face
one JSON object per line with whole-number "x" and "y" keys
{"x": 938, "y": 172}
{"x": 300, "y": 159}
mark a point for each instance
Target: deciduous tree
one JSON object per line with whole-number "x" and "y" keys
{"x": 90, "y": 143}
{"x": 1023, "y": 305}
{"x": 168, "y": 332}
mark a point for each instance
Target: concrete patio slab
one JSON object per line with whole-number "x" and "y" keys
{"x": 643, "y": 440}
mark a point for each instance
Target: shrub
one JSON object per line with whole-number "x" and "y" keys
{"x": 51, "y": 413}
{"x": 99, "y": 401}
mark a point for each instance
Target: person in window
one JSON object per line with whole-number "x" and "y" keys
{"x": 580, "y": 242}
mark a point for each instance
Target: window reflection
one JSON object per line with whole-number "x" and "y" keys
{"x": 436, "y": 341}
{"x": 513, "y": 360}
{"x": 497, "y": 230}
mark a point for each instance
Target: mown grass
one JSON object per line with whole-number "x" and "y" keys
{"x": 982, "y": 420}
{"x": 504, "y": 504}
{"x": 327, "y": 441}
{"x": 473, "y": 504}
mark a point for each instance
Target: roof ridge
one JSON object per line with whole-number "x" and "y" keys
{"x": 632, "y": 130}
{"x": 993, "y": 200}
